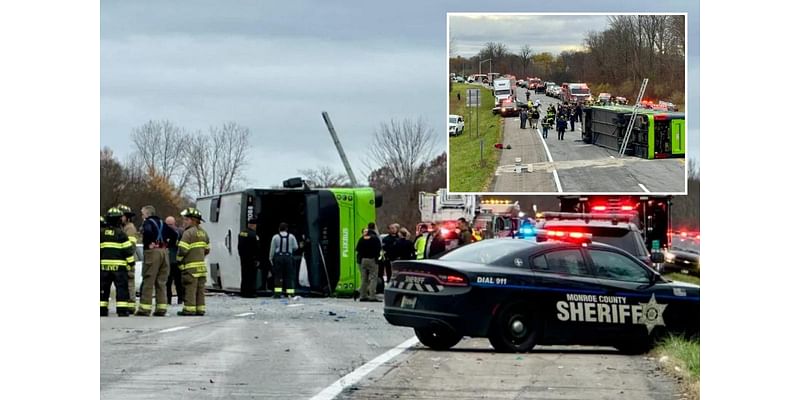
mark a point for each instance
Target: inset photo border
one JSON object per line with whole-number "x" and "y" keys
{"x": 543, "y": 103}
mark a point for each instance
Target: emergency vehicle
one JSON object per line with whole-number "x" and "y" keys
{"x": 566, "y": 290}
{"x": 330, "y": 219}
{"x": 497, "y": 218}
{"x": 650, "y": 214}
{"x": 536, "y": 85}
{"x": 575, "y": 92}
{"x": 445, "y": 209}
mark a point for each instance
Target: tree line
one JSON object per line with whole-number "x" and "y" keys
{"x": 171, "y": 166}
{"x": 614, "y": 60}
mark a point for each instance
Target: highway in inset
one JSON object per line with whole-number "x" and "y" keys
{"x": 538, "y": 165}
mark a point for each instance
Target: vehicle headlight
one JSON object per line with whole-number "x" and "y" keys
{"x": 669, "y": 257}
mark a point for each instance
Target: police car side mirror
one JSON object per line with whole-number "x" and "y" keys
{"x": 657, "y": 257}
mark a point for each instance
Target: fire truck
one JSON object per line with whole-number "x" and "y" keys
{"x": 445, "y": 209}
{"x": 651, "y": 214}
{"x": 498, "y": 218}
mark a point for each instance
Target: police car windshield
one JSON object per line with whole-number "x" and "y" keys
{"x": 486, "y": 251}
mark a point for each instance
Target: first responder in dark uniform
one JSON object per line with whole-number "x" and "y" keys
{"x": 281, "y": 249}
{"x": 192, "y": 250}
{"x": 465, "y": 232}
{"x": 116, "y": 252}
{"x": 131, "y": 232}
{"x": 248, "y": 256}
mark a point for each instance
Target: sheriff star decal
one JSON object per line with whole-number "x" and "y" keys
{"x": 652, "y": 314}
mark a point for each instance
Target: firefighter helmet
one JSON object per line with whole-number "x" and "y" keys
{"x": 192, "y": 213}
{"x": 126, "y": 210}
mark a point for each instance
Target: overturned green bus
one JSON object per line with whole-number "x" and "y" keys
{"x": 330, "y": 220}
{"x": 655, "y": 134}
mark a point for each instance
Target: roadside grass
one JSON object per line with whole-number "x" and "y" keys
{"x": 681, "y": 358}
{"x": 675, "y": 276}
{"x": 466, "y": 172}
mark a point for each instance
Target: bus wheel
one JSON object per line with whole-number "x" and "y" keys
{"x": 437, "y": 337}
{"x": 513, "y": 330}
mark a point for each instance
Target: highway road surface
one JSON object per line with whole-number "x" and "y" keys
{"x": 336, "y": 348}
{"x": 535, "y": 164}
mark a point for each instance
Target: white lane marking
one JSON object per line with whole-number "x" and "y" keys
{"x": 550, "y": 159}
{"x": 337, "y": 387}
{"x": 177, "y": 328}
{"x": 612, "y": 156}
{"x": 644, "y": 188}
{"x": 294, "y": 305}
{"x": 558, "y": 182}
{"x": 244, "y": 314}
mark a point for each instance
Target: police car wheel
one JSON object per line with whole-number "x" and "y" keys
{"x": 514, "y": 330}
{"x": 437, "y": 338}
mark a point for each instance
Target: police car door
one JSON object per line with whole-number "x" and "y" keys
{"x": 630, "y": 305}
{"x": 566, "y": 287}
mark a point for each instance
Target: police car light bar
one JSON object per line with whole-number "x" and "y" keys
{"x": 565, "y": 236}
{"x": 619, "y": 217}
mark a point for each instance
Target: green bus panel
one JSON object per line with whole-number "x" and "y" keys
{"x": 651, "y": 137}
{"x": 348, "y": 276}
{"x": 678, "y": 136}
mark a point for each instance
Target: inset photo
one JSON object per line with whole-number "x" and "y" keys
{"x": 567, "y": 103}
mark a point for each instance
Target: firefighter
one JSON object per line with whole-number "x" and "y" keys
{"x": 116, "y": 252}
{"x": 131, "y": 232}
{"x": 248, "y": 256}
{"x": 281, "y": 248}
{"x": 465, "y": 232}
{"x": 156, "y": 237}
{"x": 192, "y": 251}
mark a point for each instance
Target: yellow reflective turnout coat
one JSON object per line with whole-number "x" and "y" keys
{"x": 192, "y": 250}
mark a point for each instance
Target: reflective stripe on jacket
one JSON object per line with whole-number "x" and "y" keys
{"x": 192, "y": 250}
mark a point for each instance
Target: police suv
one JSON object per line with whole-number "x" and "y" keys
{"x": 519, "y": 293}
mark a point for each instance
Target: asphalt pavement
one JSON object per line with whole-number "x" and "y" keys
{"x": 538, "y": 165}
{"x": 336, "y": 348}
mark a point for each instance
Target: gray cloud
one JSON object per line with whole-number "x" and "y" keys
{"x": 274, "y": 66}
{"x": 553, "y": 33}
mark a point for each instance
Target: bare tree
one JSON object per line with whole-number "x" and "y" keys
{"x": 216, "y": 161}
{"x": 324, "y": 177}
{"x": 398, "y": 155}
{"x": 526, "y": 56}
{"x": 158, "y": 146}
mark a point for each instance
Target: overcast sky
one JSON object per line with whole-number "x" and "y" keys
{"x": 551, "y": 33}
{"x": 275, "y": 66}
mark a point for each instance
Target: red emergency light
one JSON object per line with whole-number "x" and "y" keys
{"x": 599, "y": 208}
{"x": 660, "y": 117}
{"x": 573, "y": 237}
{"x": 627, "y": 208}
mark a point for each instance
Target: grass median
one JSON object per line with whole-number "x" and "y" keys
{"x": 681, "y": 358}
{"x": 467, "y": 174}
{"x": 683, "y": 278}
